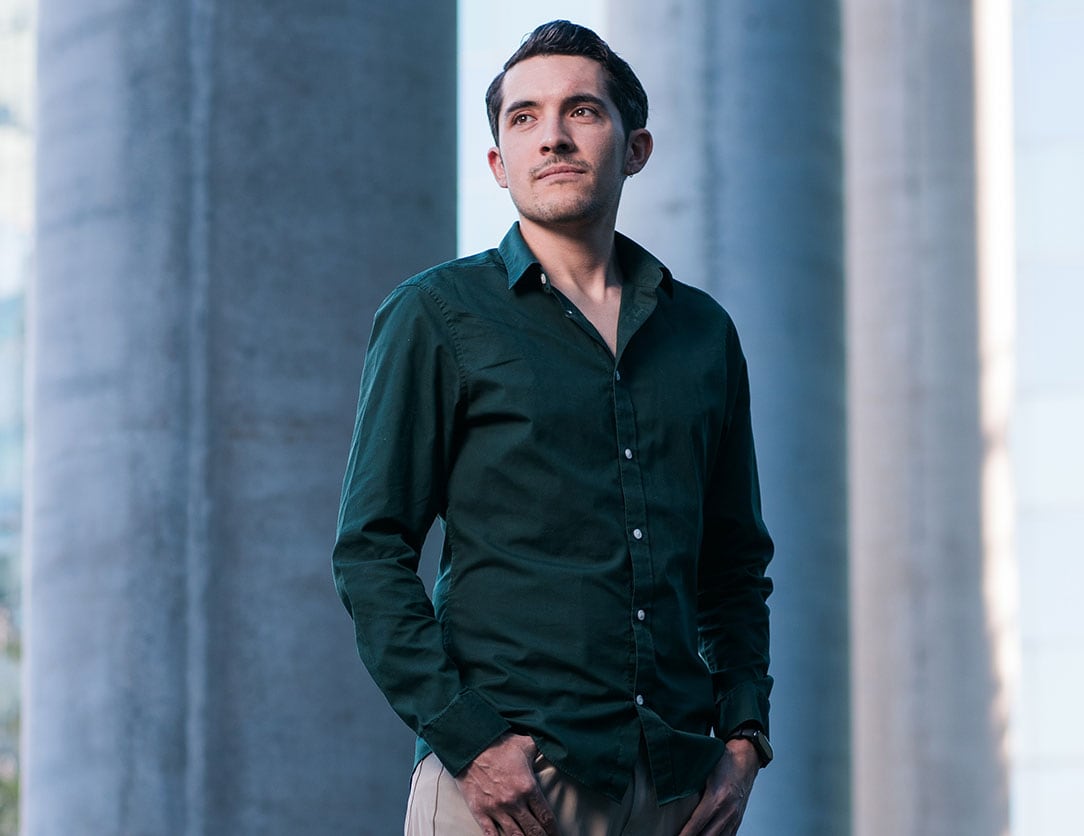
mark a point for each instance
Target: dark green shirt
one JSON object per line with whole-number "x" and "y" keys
{"x": 602, "y": 576}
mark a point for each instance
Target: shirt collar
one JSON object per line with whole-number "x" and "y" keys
{"x": 641, "y": 268}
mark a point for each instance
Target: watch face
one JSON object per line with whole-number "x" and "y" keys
{"x": 760, "y": 743}
{"x": 763, "y": 747}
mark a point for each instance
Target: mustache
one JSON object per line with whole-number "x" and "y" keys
{"x": 559, "y": 159}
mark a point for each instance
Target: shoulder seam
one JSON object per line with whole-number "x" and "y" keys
{"x": 456, "y": 346}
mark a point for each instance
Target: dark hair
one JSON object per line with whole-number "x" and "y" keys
{"x": 560, "y": 37}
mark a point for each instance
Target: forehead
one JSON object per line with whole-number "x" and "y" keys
{"x": 545, "y": 77}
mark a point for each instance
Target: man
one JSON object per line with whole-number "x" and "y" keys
{"x": 594, "y": 659}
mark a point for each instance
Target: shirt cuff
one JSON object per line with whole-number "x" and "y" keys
{"x": 466, "y": 726}
{"x": 744, "y": 703}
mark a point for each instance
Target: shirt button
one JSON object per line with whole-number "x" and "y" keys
{"x": 628, "y": 453}
{"x": 543, "y": 278}
{"x": 638, "y": 534}
{"x": 640, "y": 615}
{"x": 617, "y": 374}
{"x": 639, "y": 699}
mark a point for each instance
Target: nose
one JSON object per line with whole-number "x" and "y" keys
{"x": 556, "y": 138}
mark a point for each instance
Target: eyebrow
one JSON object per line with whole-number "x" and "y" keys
{"x": 577, "y": 99}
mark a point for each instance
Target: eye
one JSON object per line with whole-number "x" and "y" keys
{"x": 584, "y": 110}
{"x": 521, "y": 118}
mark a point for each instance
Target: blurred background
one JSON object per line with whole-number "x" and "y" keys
{"x": 202, "y": 203}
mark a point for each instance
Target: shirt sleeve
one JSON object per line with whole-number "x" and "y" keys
{"x": 393, "y": 490}
{"x": 733, "y": 588}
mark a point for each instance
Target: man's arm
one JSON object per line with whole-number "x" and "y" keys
{"x": 732, "y": 608}
{"x": 392, "y": 491}
{"x": 732, "y": 585}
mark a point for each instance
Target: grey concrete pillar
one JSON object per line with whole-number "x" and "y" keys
{"x": 225, "y": 191}
{"x": 928, "y": 737}
{"x": 744, "y": 198}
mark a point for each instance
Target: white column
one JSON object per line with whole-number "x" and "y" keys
{"x": 743, "y": 197}
{"x": 929, "y": 718}
{"x": 225, "y": 191}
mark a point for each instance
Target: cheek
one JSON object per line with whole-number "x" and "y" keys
{"x": 512, "y": 166}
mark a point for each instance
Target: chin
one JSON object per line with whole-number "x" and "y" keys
{"x": 563, "y": 213}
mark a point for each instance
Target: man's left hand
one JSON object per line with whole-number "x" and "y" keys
{"x": 722, "y": 806}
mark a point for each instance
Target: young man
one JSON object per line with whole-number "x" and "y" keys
{"x": 594, "y": 659}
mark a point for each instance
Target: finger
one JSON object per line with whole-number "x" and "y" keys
{"x": 720, "y": 824}
{"x": 517, "y": 819}
{"x": 543, "y": 813}
{"x": 699, "y": 819}
{"x": 528, "y": 824}
{"x": 508, "y": 827}
{"x": 735, "y": 823}
{"x": 726, "y": 822}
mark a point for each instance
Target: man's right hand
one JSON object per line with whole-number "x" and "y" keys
{"x": 502, "y": 793}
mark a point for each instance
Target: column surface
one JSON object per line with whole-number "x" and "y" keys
{"x": 225, "y": 192}
{"x": 927, "y": 732}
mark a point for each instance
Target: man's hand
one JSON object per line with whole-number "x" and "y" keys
{"x": 500, "y": 789}
{"x": 722, "y": 806}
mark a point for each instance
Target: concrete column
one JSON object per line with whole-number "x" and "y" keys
{"x": 225, "y": 192}
{"x": 928, "y": 732}
{"x": 744, "y": 198}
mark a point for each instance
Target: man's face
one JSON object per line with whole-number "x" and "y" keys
{"x": 563, "y": 155}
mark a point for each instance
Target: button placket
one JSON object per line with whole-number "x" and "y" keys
{"x": 635, "y": 508}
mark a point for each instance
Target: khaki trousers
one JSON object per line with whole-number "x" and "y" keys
{"x": 436, "y": 807}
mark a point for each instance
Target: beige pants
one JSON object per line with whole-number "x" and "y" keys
{"x": 436, "y": 807}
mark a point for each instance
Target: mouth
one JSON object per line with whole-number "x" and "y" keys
{"x": 553, "y": 170}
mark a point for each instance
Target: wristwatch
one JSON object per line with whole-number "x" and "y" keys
{"x": 760, "y": 742}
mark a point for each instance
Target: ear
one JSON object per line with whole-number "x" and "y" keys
{"x": 496, "y": 165}
{"x": 638, "y": 150}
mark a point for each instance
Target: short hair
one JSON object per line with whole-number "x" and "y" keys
{"x": 561, "y": 37}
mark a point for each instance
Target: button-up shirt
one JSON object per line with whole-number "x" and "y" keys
{"x": 602, "y": 578}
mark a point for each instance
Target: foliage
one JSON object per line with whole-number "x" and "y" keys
{"x": 10, "y": 648}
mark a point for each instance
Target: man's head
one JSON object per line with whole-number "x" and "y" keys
{"x": 560, "y": 37}
{"x": 566, "y": 140}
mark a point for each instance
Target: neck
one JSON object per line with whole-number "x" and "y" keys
{"x": 575, "y": 258}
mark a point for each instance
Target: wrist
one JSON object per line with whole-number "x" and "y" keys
{"x": 742, "y": 749}
{"x": 751, "y": 738}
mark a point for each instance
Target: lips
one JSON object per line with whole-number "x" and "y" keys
{"x": 559, "y": 168}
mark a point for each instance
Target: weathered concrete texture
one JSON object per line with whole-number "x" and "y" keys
{"x": 226, "y": 190}
{"x": 744, "y": 198}
{"x": 927, "y": 739}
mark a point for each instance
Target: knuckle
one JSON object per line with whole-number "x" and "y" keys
{"x": 513, "y": 799}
